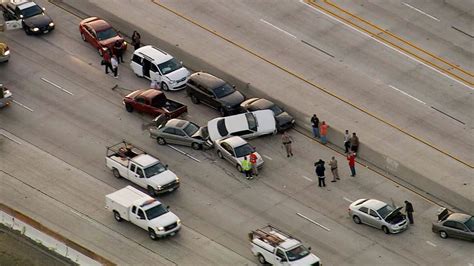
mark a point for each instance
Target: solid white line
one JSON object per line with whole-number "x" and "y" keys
{"x": 316, "y": 223}
{"x": 307, "y": 178}
{"x": 83, "y": 216}
{"x": 393, "y": 48}
{"x": 268, "y": 157}
{"x": 57, "y": 86}
{"x": 9, "y": 136}
{"x": 404, "y": 93}
{"x": 287, "y": 33}
{"x": 424, "y": 13}
{"x": 24, "y": 106}
{"x": 346, "y": 199}
{"x": 431, "y": 243}
{"x": 184, "y": 153}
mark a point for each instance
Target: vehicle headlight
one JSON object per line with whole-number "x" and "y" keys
{"x": 124, "y": 43}
{"x": 35, "y": 29}
{"x": 293, "y": 121}
{"x": 172, "y": 81}
{"x": 177, "y": 179}
{"x": 51, "y": 24}
{"x": 7, "y": 52}
{"x": 179, "y": 221}
{"x": 161, "y": 228}
{"x": 158, "y": 187}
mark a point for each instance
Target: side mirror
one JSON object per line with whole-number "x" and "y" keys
{"x": 233, "y": 86}
{"x": 166, "y": 166}
{"x": 309, "y": 248}
{"x": 278, "y": 258}
{"x": 167, "y": 207}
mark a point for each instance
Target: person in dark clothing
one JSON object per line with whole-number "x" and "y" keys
{"x": 315, "y": 125}
{"x": 409, "y": 210}
{"x": 118, "y": 50}
{"x": 106, "y": 61}
{"x": 354, "y": 143}
{"x": 136, "y": 40}
{"x": 320, "y": 173}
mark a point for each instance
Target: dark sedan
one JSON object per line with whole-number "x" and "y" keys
{"x": 33, "y": 18}
{"x": 284, "y": 121}
{"x": 455, "y": 225}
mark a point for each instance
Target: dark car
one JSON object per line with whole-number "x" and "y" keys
{"x": 100, "y": 34}
{"x": 33, "y": 18}
{"x": 215, "y": 92}
{"x": 455, "y": 225}
{"x": 283, "y": 120}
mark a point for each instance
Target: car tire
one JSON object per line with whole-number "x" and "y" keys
{"x": 196, "y": 146}
{"x": 151, "y": 191}
{"x": 164, "y": 86}
{"x": 117, "y": 216}
{"x": 356, "y": 219}
{"x": 261, "y": 259}
{"x": 83, "y": 37}
{"x": 222, "y": 111}
{"x": 161, "y": 141}
{"x": 116, "y": 173}
{"x": 152, "y": 234}
{"x": 239, "y": 168}
{"x": 129, "y": 107}
{"x": 194, "y": 99}
{"x": 27, "y": 31}
{"x": 443, "y": 234}
{"x": 385, "y": 230}
{"x": 219, "y": 154}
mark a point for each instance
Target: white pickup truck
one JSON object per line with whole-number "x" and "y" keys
{"x": 134, "y": 164}
{"x": 276, "y": 247}
{"x": 132, "y": 205}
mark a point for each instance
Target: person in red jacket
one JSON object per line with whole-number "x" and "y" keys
{"x": 253, "y": 161}
{"x": 106, "y": 60}
{"x": 351, "y": 159}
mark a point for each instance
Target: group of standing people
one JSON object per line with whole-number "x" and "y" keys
{"x": 113, "y": 56}
{"x": 249, "y": 166}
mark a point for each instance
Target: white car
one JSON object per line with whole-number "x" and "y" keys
{"x": 155, "y": 64}
{"x": 246, "y": 125}
{"x": 234, "y": 149}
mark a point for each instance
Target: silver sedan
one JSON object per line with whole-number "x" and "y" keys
{"x": 182, "y": 132}
{"x": 378, "y": 214}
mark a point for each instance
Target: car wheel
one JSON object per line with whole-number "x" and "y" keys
{"x": 219, "y": 154}
{"x": 385, "y": 230}
{"x": 161, "y": 141}
{"x": 27, "y": 31}
{"x": 239, "y": 168}
{"x": 261, "y": 259}
{"x": 194, "y": 99}
{"x": 196, "y": 146}
{"x": 356, "y": 219}
{"x": 152, "y": 234}
{"x": 129, "y": 107}
{"x": 116, "y": 173}
{"x": 443, "y": 234}
{"x": 117, "y": 216}
{"x": 83, "y": 37}
{"x": 151, "y": 191}
{"x": 164, "y": 86}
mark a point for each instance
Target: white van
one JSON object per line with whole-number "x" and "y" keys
{"x": 155, "y": 64}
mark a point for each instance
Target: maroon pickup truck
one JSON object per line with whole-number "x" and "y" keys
{"x": 153, "y": 102}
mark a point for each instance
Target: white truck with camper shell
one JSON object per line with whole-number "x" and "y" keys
{"x": 276, "y": 247}
{"x": 136, "y": 165}
{"x": 132, "y": 205}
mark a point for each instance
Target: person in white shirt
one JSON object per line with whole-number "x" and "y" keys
{"x": 114, "y": 63}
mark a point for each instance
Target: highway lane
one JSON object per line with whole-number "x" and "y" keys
{"x": 214, "y": 200}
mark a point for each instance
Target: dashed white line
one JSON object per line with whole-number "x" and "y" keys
{"x": 24, "y": 106}
{"x": 393, "y": 48}
{"x": 268, "y": 157}
{"x": 184, "y": 153}
{"x": 56, "y": 85}
{"x": 431, "y": 243}
{"x": 10, "y": 136}
{"x": 346, "y": 199}
{"x": 314, "y": 222}
{"x": 268, "y": 23}
{"x": 424, "y": 13}
{"x": 83, "y": 216}
{"x": 307, "y": 178}
{"x": 406, "y": 94}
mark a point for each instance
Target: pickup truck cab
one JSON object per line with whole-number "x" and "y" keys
{"x": 32, "y": 17}
{"x": 153, "y": 102}
{"x": 136, "y": 207}
{"x": 136, "y": 165}
{"x": 276, "y": 247}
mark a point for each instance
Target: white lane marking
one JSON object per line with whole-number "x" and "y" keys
{"x": 83, "y": 216}
{"x": 314, "y": 222}
{"x": 184, "y": 153}
{"x": 431, "y": 243}
{"x": 424, "y": 13}
{"x": 9, "y": 136}
{"x": 268, "y": 157}
{"x": 393, "y": 48}
{"x": 307, "y": 178}
{"x": 268, "y": 23}
{"x": 56, "y": 85}
{"x": 22, "y": 105}
{"x": 470, "y": 264}
{"x": 406, "y": 94}
{"x": 346, "y": 199}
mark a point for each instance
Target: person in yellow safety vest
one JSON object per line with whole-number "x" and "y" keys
{"x": 247, "y": 168}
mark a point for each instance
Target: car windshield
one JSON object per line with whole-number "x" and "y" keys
{"x": 252, "y": 121}
{"x": 297, "y": 253}
{"x": 223, "y": 90}
{"x": 156, "y": 211}
{"x": 243, "y": 150}
{"x": 31, "y": 11}
{"x": 470, "y": 224}
{"x": 385, "y": 210}
{"x": 169, "y": 66}
{"x": 276, "y": 110}
{"x": 191, "y": 128}
{"x": 106, "y": 34}
{"x": 222, "y": 128}
{"x": 155, "y": 169}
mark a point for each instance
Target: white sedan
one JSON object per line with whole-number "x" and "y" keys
{"x": 234, "y": 149}
{"x": 246, "y": 125}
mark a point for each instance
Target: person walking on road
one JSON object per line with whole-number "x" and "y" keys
{"x": 347, "y": 141}
{"x": 286, "y": 141}
{"x": 354, "y": 143}
{"x": 247, "y": 168}
{"x": 253, "y": 161}
{"x": 118, "y": 50}
{"x": 409, "y": 210}
{"x": 136, "y": 42}
{"x": 315, "y": 125}
{"x": 324, "y": 132}
{"x": 351, "y": 159}
{"x": 114, "y": 64}
{"x": 106, "y": 61}
{"x": 320, "y": 173}
{"x": 333, "y": 165}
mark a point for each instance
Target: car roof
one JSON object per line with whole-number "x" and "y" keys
{"x": 144, "y": 160}
{"x": 149, "y": 93}
{"x": 24, "y": 4}
{"x": 373, "y": 204}
{"x": 234, "y": 141}
{"x": 99, "y": 24}
{"x": 458, "y": 217}
{"x": 207, "y": 80}
{"x": 177, "y": 123}
{"x": 262, "y": 103}
{"x": 236, "y": 123}
{"x": 157, "y": 55}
